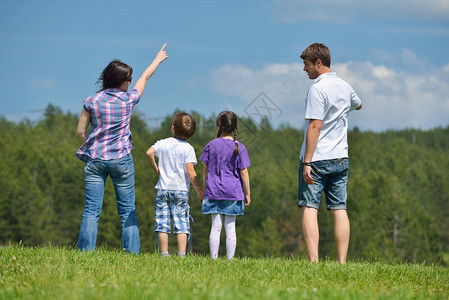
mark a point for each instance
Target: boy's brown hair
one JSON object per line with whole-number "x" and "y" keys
{"x": 184, "y": 126}
{"x": 317, "y": 51}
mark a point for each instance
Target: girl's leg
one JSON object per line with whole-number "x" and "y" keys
{"x": 231, "y": 237}
{"x": 214, "y": 238}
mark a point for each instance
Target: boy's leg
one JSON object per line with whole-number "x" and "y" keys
{"x": 163, "y": 221}
{"x": 163, "y": 241}
{"x": 311, "y": 232}
{"x": 342, "y": 232}
{"x": 231, "y": 237}
{"x": 182, "y": 243}
{"x": 214, "y": 237}
{"x": 180, "y": 211}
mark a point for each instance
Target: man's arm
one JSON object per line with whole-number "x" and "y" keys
{"x": 356, "y": 103}
{"x": 313, "y": 133}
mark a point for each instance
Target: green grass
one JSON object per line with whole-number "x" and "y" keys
{"x": 63, "y": 273}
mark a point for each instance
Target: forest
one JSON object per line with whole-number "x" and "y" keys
{"x": 398, "y": 191}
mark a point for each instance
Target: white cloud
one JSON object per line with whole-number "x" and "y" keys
{"x": 392, "y": 99}
{"x": 404, "y": 59}
{"x": 247, "y": 83}
{"x": 381, "y": 72}
{"x": 397, "y": 99}
{"x": 446, "y": 68}
{"x": 346, "y": 11}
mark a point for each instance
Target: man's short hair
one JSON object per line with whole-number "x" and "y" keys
{"x": 317, "y": 51}
{"x": 184, "y": 126}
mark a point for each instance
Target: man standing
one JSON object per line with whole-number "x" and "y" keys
{"x": 324, "y": 152}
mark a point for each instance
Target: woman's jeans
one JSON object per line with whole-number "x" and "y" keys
{"x": 121, "y": 172}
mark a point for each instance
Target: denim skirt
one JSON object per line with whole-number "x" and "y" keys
{"x": 222, "y": 207}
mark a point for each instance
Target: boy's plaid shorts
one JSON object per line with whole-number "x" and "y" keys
{"x": 172, "y": 204}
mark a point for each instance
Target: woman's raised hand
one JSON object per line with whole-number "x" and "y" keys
{"x": 149, "y": 71}
{"x": 162, "y": 54}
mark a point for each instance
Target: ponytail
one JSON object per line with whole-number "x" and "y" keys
{"x": 227, "y": 123}
{"x": 236, "y": 149}
{"x": 220, "y": 130}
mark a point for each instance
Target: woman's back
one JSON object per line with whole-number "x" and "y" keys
{"x": 110, "y": 136}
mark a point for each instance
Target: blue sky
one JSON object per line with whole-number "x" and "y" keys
{"x": 224, "y": 54}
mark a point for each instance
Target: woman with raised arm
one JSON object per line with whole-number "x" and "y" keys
{"x": 106, "y": 150}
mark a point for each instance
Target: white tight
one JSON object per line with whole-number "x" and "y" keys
{"x": 214, "y": 238}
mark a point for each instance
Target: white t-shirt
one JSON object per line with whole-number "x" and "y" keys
{"x": 173, "y": 156}
{"x": 330, "y": 99}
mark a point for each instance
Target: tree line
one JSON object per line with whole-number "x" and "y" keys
{"x": 398, "y": 196}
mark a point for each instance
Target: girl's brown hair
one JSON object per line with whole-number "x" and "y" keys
{"x": 227, "y": 123}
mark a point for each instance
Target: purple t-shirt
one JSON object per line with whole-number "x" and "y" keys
{"x": 223, "y": 169}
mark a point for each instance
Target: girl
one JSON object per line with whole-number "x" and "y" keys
{"x": 227, "y": 182}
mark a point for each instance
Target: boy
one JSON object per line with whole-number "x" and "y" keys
{"x": 175, "y": 170}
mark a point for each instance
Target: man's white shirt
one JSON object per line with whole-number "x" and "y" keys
{"x": 330, "y": 99}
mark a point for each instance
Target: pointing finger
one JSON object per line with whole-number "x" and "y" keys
{"x": 163, "y": 47}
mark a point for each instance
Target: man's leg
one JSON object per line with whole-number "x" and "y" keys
{"x": 342, "y": 232}
{"x": 311, "y": 232}
{"x": 336, "y": 196}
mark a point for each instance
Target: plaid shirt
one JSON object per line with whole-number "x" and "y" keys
{"x": 110, "y": 112}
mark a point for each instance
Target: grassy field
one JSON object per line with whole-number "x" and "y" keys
{"x": 63, "y": 273}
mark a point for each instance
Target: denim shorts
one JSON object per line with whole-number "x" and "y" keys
{"x": 222, "y": 207}
{"x": 330, "y": 176}
{"x": 172, "y": 205}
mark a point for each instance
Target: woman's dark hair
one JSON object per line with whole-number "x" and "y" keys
{"x": 184, "y": 126}
{"x": 227, "y": 123}
{"x": 115, "y": 73}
